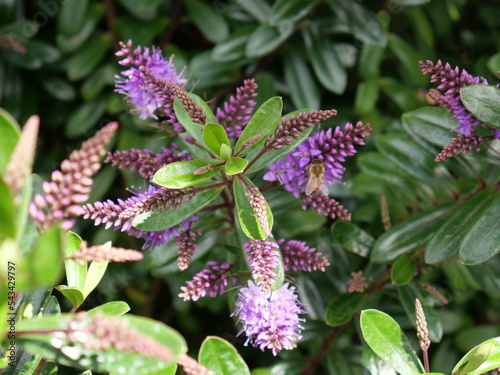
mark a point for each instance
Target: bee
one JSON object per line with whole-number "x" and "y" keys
{"x": 316, "y": 180}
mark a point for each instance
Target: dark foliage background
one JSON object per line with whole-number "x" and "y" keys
{"x": 361, "y": 58}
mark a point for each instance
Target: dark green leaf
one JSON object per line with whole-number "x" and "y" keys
{"x": 483, "y": 102}
{"x": 85, "y": 117}
{"x": 253, "y": 226}
{"x": 480, "y": 359}
{"x": 408, "y": 58}
{"x": 9, "y": 129}
{"x": 352, "y": 238}
{"x": 290, "y": 10}
{"x": 83, "y": 62}
{"x": 263, "y": 122}
{"x": 366, "y": 97}
{"x": 48, "y": 368}
{"x": 71, "y": 16}
{"x": 214, "y": 136}
{"x": 325, "y": 61}
{"x": 142, "y": 33}
{"x": 369, "y": 61}
{"x": 403, "y": 270}
{"x": 386, "y": 338}
{"x": 235, "y": 165}
{"x": 221, "y": 357}
{"x": 72, "y": 293}
{"x": 58, "y": 87}
{"x": 494, "y": 63}
{"x": 266, "y": 39}
{"x": 233, "y": 47}
{"x": 180, "y": 174}
{"x": 404, "y": 96}
{"x": 161, "y": 220}
{"x": 93, "y": 85}
{"x": 486, "y": 276}
{"x": 360, "y": 21}
{"x": 407, "y": 295}
{"x": 341, "y": 309}
{"x": 410, "y": 235}
{"x": 273, "y": 155}
{"x": 259, "y": 9}
{"x": 211, "y": 24}
{"x": 302, "y": 86}
{"x": 446, "y": 241}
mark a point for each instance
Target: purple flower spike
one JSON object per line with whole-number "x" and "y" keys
{"x": 212, "y": 281}
{"x": 269, "y": 320}
{"x": 263, "y": 259}
{"x": 297, "y": 256}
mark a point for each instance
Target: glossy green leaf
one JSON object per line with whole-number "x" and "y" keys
{"x": 225, "y": 151}
{"x": 480, "y": 359}
{"x": 483, "y": 102}
{"x": 49, "y": 368}
{"x": 369, "y": 61}
{"x": 494, "y": 63}
{"x": 73, "y": 294}
{"x": 180, "y": 174}
{"x": 259, "y": 9}
{"x": 251, "y": 225}
{"x": 367, "y": 95}
{"x": 400, "y": 93}
{"x": 273, "y": 155}
{"x": 94, "y": 274}
{"x": 385, "y": 337}
{"x": 143, "y": 10}
{"x": 10, "y": 130}
{"x": 302, "y": 86}
{"x": 325, "y": 61}
{"x": 374, "y": 364}
{"x": 76, "y": 272}
{"x": 211, "y": 24}
{"x": 71, "y": 16}
{"x": 407, "y": 296}
{"x": 233, "y": 47}
{"x": 85, "y": 117}
{"x": 408, "y": 155}
{"x": 221, "y": 357}
{"x": 403, "y": 270}
{"x": 446, "y": 241}
{"x": 83, "y": 62}
{"x": 161, "y": 220}
{"x": 114, "y": 308}
{"x": 352, "y": 238}
{"x": 57, "y": 347}
{"x": 357, "y": 18}
{"x": 58, "y": 87}
{"x": 290, "y": 10}
{"x": 194, "y": 129}
{"x": 410, "y": 235}
{"x": 263, "y": 122}
{"x": 267, "y": 38}
{"x": 408, "y": 58}
{"x": 94, "y": 84}
{"x": 214, "y": 136}
{"x": 340, "y": 310}
{"x": 235, "y": 165}
{"x": 482, "y": 241}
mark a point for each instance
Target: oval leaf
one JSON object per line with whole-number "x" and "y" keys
{"x": 352, "y": 238}
{"x": 267, "y": 38}
{"x": 235, "y": 166}
{"x": 221, "y": 357}
{"x": 480, "y": 359}
{"x": 386, "y": 338}
{"x": 341, "y": 309}
{"x": 302, "y": 86}
{"x": 180, "y": 174}
{"x": 211, "y": 23}
{"x": 483, "y": 102}
{"x": 9, "y": 129}
{"x": 403, "y": 270}
{"x": 214, "y": 136}
{"x": 290, "y": 10}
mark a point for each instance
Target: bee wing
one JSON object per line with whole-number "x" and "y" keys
{"x": 324, "y": 189}
{"x": 311, "y": 185}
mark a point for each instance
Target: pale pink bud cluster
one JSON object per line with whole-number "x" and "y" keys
{"x": 263, "y": 257}
{"x": 99, "y": 253}
{"x": 297, "y": 256}
{"x": 192, "y": 367}
{"x": 212, "y": 281}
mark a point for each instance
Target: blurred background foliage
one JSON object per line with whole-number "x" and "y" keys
{"x": 361, "y": 58}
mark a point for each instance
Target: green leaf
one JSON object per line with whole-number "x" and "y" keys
{"x": 302, "y": 86}
{"x": 367, "y": 95}
{"x": 263, "y": 122}
{"x": 369, "y": 61}
{"x": 214, "y": 136}
{"x": 233, "y": 47}
{"x": 385, "y": 337}
{"x": 360, "y": 21}
{"x": 73, "y": 294}
{"x": 480, "y": 359}
{"x": 161, "y": 220}
{"x": 408, "y": 58}
{"x": 374, "y": 364}
{"x": 407, "y": 295}
{"x": 290, "y": 10}
{"x": 410, "y": 235}
{"x": 221, "y": 357}
{"x": 403, "y": 95}
{"x": 71, "y": 17}
{"x": 10, "y": 130}
{"x": 482, "y": 240}
{"x": 352, "y": 238}
{"x": 95, "y": 273}
{"x": 325, "y": 61}
{"x": 54, "y": 345}
{"x": 446, "y": 241}
{"x": 114, "y": 308}
{"x": 250, "y": 223}
{"x": 85, "y": 60}
{"x": 266, "y": 39}
{"x": 403, "y": 270}
{"x": 94, "y": 84}
{"x": 258, "y": 9}
{"x": 483, "y": 102}
{"x": 180, "y": 174}
{"x": 85, "y": 117}
{"x": 340, "y": 310}
{"x": 7, "y": 212}
{"x": 235, "y": 166}
{"x": 57, "y": 86}
{"x": 76, "y": 273}
{"x": 211, "y": 24}
{"x": 130, "y": 27}
{"x": 225, "y": 151}
{"x": 273, "y": 155}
